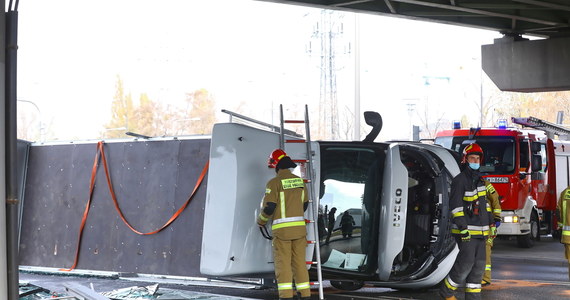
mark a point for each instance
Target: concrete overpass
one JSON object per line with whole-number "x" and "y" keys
{"x": 513, "y": 63}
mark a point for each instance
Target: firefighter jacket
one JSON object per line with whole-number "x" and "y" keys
{"x": 468, "y": 204}
{"x": 564, "y": 209}
{"x": 285, "y": 200}
{"x": 493, "y": 202}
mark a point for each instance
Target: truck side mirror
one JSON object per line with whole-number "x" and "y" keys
{"x": 373, "y": 119}
{"x": 536, "y": 163}
{"x": 535, "y": 147}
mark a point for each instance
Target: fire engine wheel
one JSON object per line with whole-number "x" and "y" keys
{"x": 347, "y": 285}
{"x": 527, "y": 241}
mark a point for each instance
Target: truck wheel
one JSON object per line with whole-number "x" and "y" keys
{"x": 347, "y": 285}
{"x": 527, "y": 241}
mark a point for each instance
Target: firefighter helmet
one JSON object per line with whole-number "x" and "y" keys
{"x": 275, "y": 157}
{"x": 472, "y": 149}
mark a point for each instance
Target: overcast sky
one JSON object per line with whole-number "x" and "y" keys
{"x": 70, "y": 52}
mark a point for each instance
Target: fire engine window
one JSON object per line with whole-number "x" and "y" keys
{"x": 544, "y": 157}
{"x": 498, "y": 151}
{"x": 524, "y": 159}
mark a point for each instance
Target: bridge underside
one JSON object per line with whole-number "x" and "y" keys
{"x": 513, "y": 63}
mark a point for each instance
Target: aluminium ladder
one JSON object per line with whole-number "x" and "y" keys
{"x": 313, "y": 201}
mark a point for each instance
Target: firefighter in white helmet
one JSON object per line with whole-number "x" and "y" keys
{"x": 285, "y": 200}
{"x": 471, "y": 227}
{"x": 564, "y": 223}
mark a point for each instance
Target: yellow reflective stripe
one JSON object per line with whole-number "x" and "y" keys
{"x": 472, "y": 232}
{"x": 288, "y": 224}
{"x": 449, "y": 285}
{"x": 490, "y": 188}
{"x": 262, "y": 218}
{"x": 458, "y": 214}
{"x": 268, "y": 191}
{"x": 303, "y": 197}
{"x": 303, "y": 285}
{"x": 564, "y": 221}
{"x": 474, "y": 197}
{"x": 470, "y": 290}
{"x": 282, "y": 202}
{"x": 291, "y": 183}
{"x": 285, "y": 286}
{"x": 565, "y": 232}
{"x": 497, "y": 210}
{"x": 487, "y": 267}
{"x": 488, "y": 209}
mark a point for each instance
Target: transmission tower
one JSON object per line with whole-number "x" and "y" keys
{"x": 326, "y": 33}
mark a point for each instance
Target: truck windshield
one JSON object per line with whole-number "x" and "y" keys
{"x": 498, "y": 151}
{"x": 349, "y": 192}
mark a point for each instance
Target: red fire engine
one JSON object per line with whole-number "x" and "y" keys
{"x": 527, "y": 167}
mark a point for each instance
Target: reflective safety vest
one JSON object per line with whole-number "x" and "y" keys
{"x": 469, "y": 206}
{"x": 286, "y": 194}
{"x": 564, "y": 209}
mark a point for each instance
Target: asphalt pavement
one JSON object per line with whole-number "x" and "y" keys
{"x": 540, "y": 272}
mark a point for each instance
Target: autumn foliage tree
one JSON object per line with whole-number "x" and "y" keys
{"x": 195, "y": 115}
{"x": 202, "y": 115}
{"x": 544, "y": 105}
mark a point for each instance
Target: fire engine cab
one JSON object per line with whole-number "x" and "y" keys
{"x": 527, "y": 167}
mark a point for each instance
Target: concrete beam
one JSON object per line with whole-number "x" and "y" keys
{"x": 520, "y": 65}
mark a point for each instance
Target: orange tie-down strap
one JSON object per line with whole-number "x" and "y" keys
{"x": 101, "y": 151}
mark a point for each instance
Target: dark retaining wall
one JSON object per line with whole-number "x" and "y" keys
{"x": 152, "y": 179}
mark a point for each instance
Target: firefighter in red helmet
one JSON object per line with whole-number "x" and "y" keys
{"x": 471, "y": 226}
{"x": 286, "y": 199}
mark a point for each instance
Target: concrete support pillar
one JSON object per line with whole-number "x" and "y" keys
{"x": 522, "y": 65}
{"x": 3, "y": 242}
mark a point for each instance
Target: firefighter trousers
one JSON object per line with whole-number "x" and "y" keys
{"x": 567, "y": 255}
{"x": 468, "y": 269}
{"x": 289, "y": 256}
{"x": 488, "y": 247}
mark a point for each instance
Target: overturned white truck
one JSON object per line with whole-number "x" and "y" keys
{"x": 396, "y": 192}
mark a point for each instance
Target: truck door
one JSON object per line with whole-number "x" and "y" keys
{"x": 549, "y": 168}
{"x": 539, "y": 176}
{"x": 524, "y": 183}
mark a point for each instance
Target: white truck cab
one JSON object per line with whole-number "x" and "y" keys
{"x": 396, "y": 194}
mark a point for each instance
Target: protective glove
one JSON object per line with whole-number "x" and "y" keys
{"x": 497, "y": 223}
{"x": 493, "y": 232}
{"x": 465, "y": 235}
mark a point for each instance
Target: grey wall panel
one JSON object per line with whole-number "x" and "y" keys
{"x": 151, "y": 179}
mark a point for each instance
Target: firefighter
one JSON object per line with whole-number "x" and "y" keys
{"x": 471, "y": 226}
{"x": 564, "y": 211}
{"x": 494, "y": 207}
{"x": 286, "y": 198}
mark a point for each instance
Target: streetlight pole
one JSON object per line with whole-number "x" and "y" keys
{"x": 356, "y": 78}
